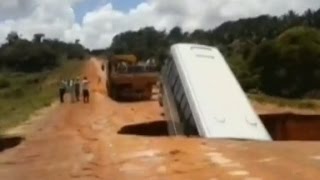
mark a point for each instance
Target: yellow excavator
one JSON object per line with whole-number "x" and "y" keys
{"x": 128, "y": 79}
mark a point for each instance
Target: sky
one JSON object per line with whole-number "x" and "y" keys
{"x": 96, "y": 22}
{"x": 123, "y": 5}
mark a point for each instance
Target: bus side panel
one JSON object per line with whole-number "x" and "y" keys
{"x": 170, "y": 110}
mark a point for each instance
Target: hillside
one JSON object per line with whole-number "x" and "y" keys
{"x": 21, "y": 94}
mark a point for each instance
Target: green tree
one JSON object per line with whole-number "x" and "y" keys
{"x": 289, "y": 66}
{"x": 37, "y": 38}
{"x": 28, "y": 57}
{"x": 175, "y": 35}
{"x": 12, "y": 37}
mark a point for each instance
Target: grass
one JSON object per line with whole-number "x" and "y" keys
{"x": 282, "y": 102}
{"x": 27, "y": 93}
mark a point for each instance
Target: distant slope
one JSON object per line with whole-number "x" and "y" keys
{"x": 23, "y": 93}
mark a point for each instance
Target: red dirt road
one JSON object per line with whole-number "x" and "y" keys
{"x": 81, "y": 142}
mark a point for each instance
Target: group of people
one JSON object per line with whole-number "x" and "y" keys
{"x": 74, "y": 88}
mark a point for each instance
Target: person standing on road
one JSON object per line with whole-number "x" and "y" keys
{"x": 62, "y": 90}
{"x": 102, "y": 67}
{"x": 77, "y": 89}
{"x": 68, "y": 89}
{"x": 72, "y": 90}
{"x": 85, "y": 90}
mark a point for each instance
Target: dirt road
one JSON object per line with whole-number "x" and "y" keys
{"x": 110, "y": 140}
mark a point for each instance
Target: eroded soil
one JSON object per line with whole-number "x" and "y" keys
{"x": 109, "y": 140}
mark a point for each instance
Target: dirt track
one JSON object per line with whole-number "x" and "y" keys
{"x": 82, "y": 141}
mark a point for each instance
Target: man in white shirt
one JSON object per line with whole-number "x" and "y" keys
{"x": 72, "y": 90}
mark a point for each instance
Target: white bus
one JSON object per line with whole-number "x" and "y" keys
{"x": 201, "y": 97}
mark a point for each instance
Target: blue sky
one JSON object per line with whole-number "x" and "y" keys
{"x": 88, "y": 5}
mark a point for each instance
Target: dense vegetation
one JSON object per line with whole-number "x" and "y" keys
{"x": 29, "y": 74}
{"x": 23, "y": 93}
{"x": 289, "y": 66}
{"x": 37, "y": 55}
{"x": 276, "y": 55}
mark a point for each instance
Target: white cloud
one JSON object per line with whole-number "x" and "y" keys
{"x": 51, "y": 17}
{"x": 56, "y": 18}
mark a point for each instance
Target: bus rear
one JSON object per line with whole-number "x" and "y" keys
{"x": 202, "y": 96}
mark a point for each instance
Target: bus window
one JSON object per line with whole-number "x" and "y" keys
{"x": 168, "y": 67}
{"x": 182, "y": 106}
{"x": 179, "y": 95}
{"x": 177, "y": 87}
{"x": 187, "y": 112}
{"x": 170, "y": 64}
{"x": 174, "y": 84}
{"x": 170, "y": 70}
{"x": 173, "y": 77}
{"x": 190, "y": 127}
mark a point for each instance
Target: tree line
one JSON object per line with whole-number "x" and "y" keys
{"x": 39, "y": 54}
{"x": 274, "y": 55}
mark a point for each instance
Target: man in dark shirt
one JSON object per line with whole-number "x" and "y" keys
{"x": 85, "y": 90}
{"x": 62, "y": 90}
{"x": 77, "y": 89}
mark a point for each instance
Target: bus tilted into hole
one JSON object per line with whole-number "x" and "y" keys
{"x": 201, "y": 97}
